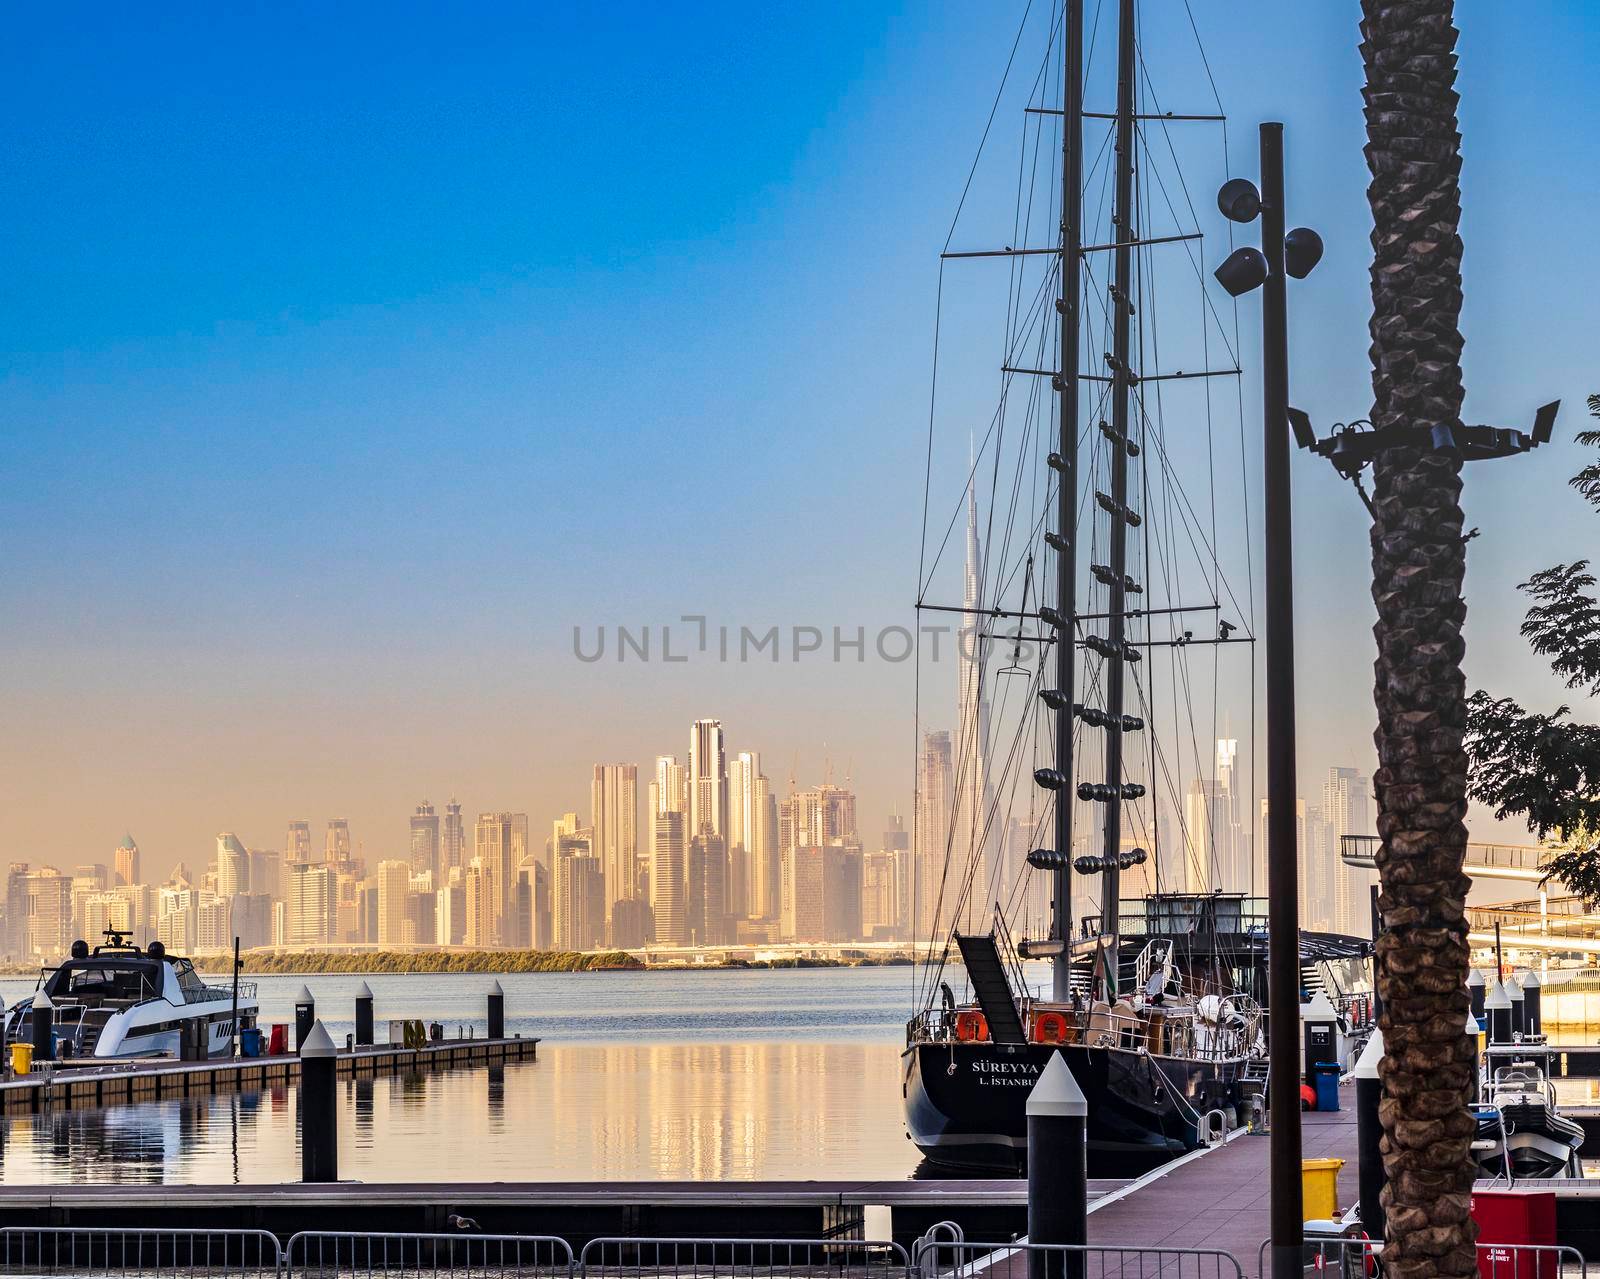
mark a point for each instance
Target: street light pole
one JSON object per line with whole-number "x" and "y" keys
{"x": 1283, "y": 922}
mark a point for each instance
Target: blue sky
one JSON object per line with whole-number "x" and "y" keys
{"x": 353, "y": 357}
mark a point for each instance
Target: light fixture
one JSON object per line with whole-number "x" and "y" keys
{"x": 1046, "y": 859}
{"x": 1052, "y": 617}
{"x": 1302, "y": 250}
{"x": 1049, "y": 778}
{"x": 1054, "y": 698}
{"x": 1239, "y": 200}
{"x": 1244, "y": 270}
{"x": 1056, "y": 543}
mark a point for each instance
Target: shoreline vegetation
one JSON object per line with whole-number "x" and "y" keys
{"x": 314, "y": 963}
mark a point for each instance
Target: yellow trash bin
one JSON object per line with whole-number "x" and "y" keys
{"x": 21, "y": 1058}
{"x": 1319, "y": 1188}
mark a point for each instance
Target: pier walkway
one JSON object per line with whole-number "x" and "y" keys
{"x": 1221, "y": 1197}
{"x": 87, "y": 1083}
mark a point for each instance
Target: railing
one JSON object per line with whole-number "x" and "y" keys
{"x": 151, "y": 1254}
{"x": 338, "y": 1255}
{"x": 1362, "y": 1258}
{"x": 1524, "y": 861}
{"x": 1069, "y": 1261}
{"x": 743, "y": 1258}
{"x": 1167, "y": 1030}
{"x": 219, "y": 994}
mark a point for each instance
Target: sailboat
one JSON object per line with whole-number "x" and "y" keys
{"x": 1155, "y": 1002}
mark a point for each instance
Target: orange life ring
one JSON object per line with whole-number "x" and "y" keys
{"x": 1049, "y": 1028}
{"x": 971, "y": 1027}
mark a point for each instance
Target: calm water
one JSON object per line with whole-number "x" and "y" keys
{"x": 659, "y": 1075}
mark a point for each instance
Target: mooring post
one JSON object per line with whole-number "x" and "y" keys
{"x": 305, "y": 1016}
{"x": 1473, "y": 1031}
{"x": 44, "y": 1021}
{"x": 319, "y": 1113}
{"x": 1369, "y": 1136}
{"x": 1514, "y": 994}
{"x": 1058, "y": 1171}
{"x": 1532, "y": 996}
{"x": 364, "y": 1015}
{"x": 497, "y": 1011}
{"x": 1497, "y": 1008}
{"x": 1475, "y": 992}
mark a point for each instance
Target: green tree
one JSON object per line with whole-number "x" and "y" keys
{"x": 1545, "y": 767}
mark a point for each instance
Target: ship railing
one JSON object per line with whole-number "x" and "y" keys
{"x": 1169, "y": 1030}
{"x": 743, "y": 1259}
{"x": 219, "y": 994}
{"x": 148, "y": 1253}
{"x": 1359, "y": 1258}
{"x": 337, "y": 1254}
{"x": 943, "y": 1260}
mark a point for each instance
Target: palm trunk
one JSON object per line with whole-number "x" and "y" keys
{"x": 1418, "y": 562}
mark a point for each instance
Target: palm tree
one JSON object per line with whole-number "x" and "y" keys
{"x": 1418, "y": 562}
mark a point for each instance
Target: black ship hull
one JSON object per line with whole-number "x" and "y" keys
{"x": 966, "y": 1102}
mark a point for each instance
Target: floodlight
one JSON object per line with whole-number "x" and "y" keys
{"x": 1239, "y": 200}
{"x": 1244, "y": 270}
{"x": 1302, "y": 250}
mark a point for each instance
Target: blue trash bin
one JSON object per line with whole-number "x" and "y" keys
{"x": 250, "y": 1041}
{"x": 1325, "y": 1081}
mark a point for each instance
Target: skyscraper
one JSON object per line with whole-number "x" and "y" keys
{"x": 424, "y": 840}
{"x": 578, "y": 908}
{"x": 752, "y": 856}
{"x": 971, "y": 843}
{"x": 501, "y": 842}
{"x": 668, "y": 875}
{"x": 453, "y": 848}
{"x": 394, "y": 900}
{"x": 336, "y": 851}
{"x": 614, "y": 815}
{"x": 297, "y": 848}
{"x": 932, "y": 835}
{"x": 1347, "y": 810}
{"x": 127, "y": 862}
{"x": 708, "y": 779}
{"x": 233, "y": 866}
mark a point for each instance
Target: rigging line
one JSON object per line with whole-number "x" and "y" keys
{"x": 998, "y": 94}
{"x": 925, "y": 572}
{"x": 1204, "y": 61}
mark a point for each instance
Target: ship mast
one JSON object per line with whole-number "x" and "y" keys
{"x": 1067, "y": 304}
{"x": 1124, "y": 237}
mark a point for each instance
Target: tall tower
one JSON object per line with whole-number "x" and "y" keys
{"x": 297, "y": 850}
{"x": 424, "y": 841}
{"x": 970, "y": 842}
{"x": 749, "y": 849}
{"x": 336, "y": 851}
{"x": 453, "y": 841}
{"x": 668, "y": 853}
{"x": 708, "y": 779}
{"x": 127, "y": 862}
{"x": 932, "y": 835}
{"x": 1347, "y": 810}
{"x": 614, "y": 814}
{"x": 233, "y": 866}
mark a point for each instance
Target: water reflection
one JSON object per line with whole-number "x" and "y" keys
{"x": 679, "y": 1111}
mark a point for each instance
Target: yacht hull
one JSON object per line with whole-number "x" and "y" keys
{"x": 966, "y": 1103}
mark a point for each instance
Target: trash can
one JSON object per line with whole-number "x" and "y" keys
{"x": 1319, "y": 1188}
{"x": 278, "y": 1043}
{"x": 21, "y": 1059}
{"x": 250, "y": 1041}
{"x": 1325, "y": 1079}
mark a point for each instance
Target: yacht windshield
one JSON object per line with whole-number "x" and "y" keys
{"x": 97, "y": 983}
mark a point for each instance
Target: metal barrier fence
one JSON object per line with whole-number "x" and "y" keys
{"x": 1363, "y": 1259}
{"x": 936, "y": 1260}
{"x": 622, "y": 1258}
{"x": 79, "y": 1251}
{"x": 348, "y": 1255}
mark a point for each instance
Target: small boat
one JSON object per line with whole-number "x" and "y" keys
{"x": 123, "y": 1001}
{"x": 1521, "y": 1134}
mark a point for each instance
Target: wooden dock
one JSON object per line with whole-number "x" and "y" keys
{"x": 79, "y": 1083}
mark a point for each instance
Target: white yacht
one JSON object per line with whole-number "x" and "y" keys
{"x": 121, "y": 1001}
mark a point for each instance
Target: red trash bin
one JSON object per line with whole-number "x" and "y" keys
{"x": 278, "y": 1044}
{"x": 1513, "y": 1225}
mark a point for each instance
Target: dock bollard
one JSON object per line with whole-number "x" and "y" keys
{"x": 44, "y": 1020}
{"x": 1514, "y": 994}
{"x": 1532, "y": 996}
{"x": 497, "y": 1012}
{"x": 1369, "y": 1136}
{"x": 305, "y": 1016}
{"x": 1475, "y": 992}
{"x": 1473, "y": 1031}
{"x": 1497, "y": 1007}
{"x": 1058, "y": 1171}
{"x": 319, "y": 1113}
{"x": 364, "y": 1016}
